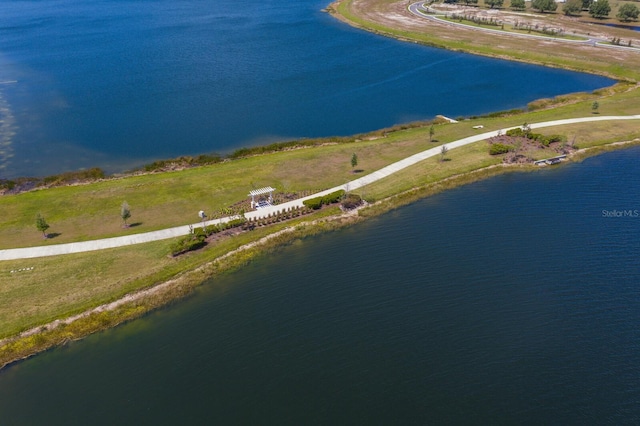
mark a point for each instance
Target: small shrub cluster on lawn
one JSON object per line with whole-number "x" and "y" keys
{"x": 499, "y": 148}
{"x": 188, "y": 243}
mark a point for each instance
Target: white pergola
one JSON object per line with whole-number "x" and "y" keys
{"x": 257, "y": 192}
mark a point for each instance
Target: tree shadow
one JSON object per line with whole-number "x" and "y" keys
{"x": 133, "y": 225}
{"x": 53, "y": 235}
{"x": 357, "y": 171}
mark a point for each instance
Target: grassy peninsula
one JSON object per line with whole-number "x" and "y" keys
{"x": 36, "y": 293}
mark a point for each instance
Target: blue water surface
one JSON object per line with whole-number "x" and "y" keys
{"x": 116, "y": 83}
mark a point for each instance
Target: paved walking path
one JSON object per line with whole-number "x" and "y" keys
{"x": 418, "y": 8}
{"x": 179, "y": 231}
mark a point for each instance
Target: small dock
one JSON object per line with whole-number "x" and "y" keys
{"x": 550, "y": 161}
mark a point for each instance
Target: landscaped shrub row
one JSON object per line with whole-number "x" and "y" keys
{"x": 313, "y": 203}
{"x": 278, "y": 217}
{"x": 196, "y": 239}
{"x": 317, "y": 202}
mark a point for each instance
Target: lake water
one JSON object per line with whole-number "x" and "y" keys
{"x": 513, "y": 300}
{"x": 117, "y": 83}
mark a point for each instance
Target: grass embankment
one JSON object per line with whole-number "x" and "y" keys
{"x": 386, "y": 17}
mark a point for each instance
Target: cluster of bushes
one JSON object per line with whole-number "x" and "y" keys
{"x": 317, "y": 202}
{"x": 182, "y": 162}
{"x": 538, "y": 137}
{"x": 190, "y": 242}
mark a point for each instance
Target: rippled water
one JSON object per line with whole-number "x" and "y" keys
{"x": 116, "y": 83}
{"x": 508, "y": 301}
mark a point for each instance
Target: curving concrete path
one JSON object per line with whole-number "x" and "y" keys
{"x": 179, "y": 231}
{"x": 417, "y": 8}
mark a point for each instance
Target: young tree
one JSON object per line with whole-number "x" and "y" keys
{"x": 203, "y": 218}
{"x": 125, "y": 213}
{"x": 42, "y": 225}
{"x": 518, "y": 4}
{"x": 572, "y": 7}
{"x": 628, "y": 12}
{"x": 432, "y": 132}
{"x": 594, "y": 107}
{"x": 443, "y": 152}
{"x": 544, "y": 5}
{"x": 600, "y": 9}
{"x": 354, "y": 161}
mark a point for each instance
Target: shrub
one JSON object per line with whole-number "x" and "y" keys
{"x": 547, "y": 140}
{"x": 7, "y": 184}
{"x": 517, "y": 132}
{"x": 236, "y": 222}
{"x": 190, "y": 242}
{"x": 334, "y": 197}
{"x": 313, "y": 203}
{"x": 212, "y": 229}
{"x": 499, "y": 148}
{"x": 351, "y": 201}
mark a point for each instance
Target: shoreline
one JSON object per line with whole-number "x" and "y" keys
{"x": 38, "y": 339}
